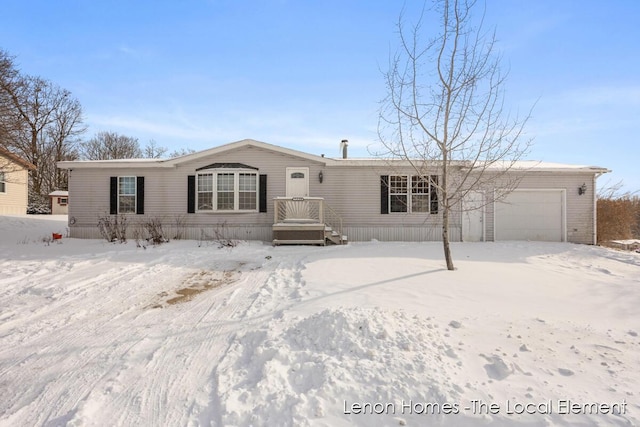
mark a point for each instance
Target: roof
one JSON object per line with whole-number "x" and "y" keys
{"x": 539, "y": 166}
{"x": 144, "y": 163}
{"x": 16, "y": 159}
{"x": 246, "y": 143}
{"x": 59, "y": 193}
{"x": 327, "y": 161}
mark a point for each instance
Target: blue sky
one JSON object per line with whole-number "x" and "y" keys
{"x": 306, "y": 74}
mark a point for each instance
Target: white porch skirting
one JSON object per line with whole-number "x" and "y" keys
{"x": 406, "y": 233}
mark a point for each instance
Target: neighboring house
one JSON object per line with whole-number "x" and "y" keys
{"x": 14, "y": 183}
{"x": 59, "y": 202}
{"x": 256, "y": 191}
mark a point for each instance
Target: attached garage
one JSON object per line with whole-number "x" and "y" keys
{"x": 531, "y": 214}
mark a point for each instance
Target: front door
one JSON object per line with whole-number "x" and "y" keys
{"x": 473, "y": 217}
{"x": 297, "y": 182}
{"x": 297, "y": 188}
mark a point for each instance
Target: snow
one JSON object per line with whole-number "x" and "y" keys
{"x": 368, "y": 334}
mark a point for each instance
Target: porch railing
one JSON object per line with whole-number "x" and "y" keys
{"x": 306, "y": 210}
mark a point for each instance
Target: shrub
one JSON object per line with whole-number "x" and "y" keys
{"x": 154, "y": 230}
{"x": 617, "y": 218}
{"x": 219, "y": 236}
{"x": 113, "y": 228}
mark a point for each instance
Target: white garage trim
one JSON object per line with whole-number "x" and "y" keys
{"x": 563, "y": 207}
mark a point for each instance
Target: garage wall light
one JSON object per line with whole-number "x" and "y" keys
{"x": 582, "y": 189}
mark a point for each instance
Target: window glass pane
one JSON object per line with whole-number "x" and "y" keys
{"x": 127, "y": 194}
{"x": 297, "y": 175}
{"x": 225, "y": 201}
{"x": 2, "y": 186}
{"x": 398, "y": 200}
{"x": 419, "y": 185}
{"x": 434, "y": 194}
{"x": 205, "y": 201}
{"x": 205, "y": 182}
{"x": 247, "y": 200}
{"x": 398, "y": 203}
{"x": 420, "y": 203}
{"x": 127, "y": 185}
{"x": 247, "y": 182}
{"x": 127, "y": 204}
{"x": 225, "y": 182}
{"x": 397, "y": 184}
{"x": 225, "y": 192}
{"x": 205, "y": 192}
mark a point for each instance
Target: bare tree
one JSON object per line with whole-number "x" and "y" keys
{"x": 63, "y": 134}
{"x": 154, "y": 151}
{"x": 40, "y": 122}
{"x": 8, "y": 78}
{"x": 444, "y": 110}
{"x": 181, "y": 152}
{"x": 110, "y": 146}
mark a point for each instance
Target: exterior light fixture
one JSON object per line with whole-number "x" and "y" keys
{"x": 582, "y": 189}
{"x": 320, "y": 177}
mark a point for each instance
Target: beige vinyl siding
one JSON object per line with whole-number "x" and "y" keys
{"x": 166, "y": 195}
{"x": 15, "y": 198}
{"x": 352, "y": 190}
{"x": 354, "y": 193}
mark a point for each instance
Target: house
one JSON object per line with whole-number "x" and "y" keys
{"x": 14, "y": 183}
{"x": 252, "y": 190}
{"x": 59, "y": 202}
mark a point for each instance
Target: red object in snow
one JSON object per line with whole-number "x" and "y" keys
{"x": 56, "y": 236}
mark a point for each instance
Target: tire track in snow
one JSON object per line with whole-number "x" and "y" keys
{"x": 179, "y": 390}
{"x": 149, "y": 367}
{"x": 219, "y": 327}
{"x": 75, "y": 355}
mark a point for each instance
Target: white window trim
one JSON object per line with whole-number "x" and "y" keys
{"x": 409, "y": 195}
{"x": 135, "y": 194}
{"x": 236, "y": 190}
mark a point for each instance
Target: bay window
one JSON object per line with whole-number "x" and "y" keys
{"x": 227, "y": 191}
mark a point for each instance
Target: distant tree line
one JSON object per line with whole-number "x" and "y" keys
{"x": 43, "y": 123}
{"x": 618, "y": 214}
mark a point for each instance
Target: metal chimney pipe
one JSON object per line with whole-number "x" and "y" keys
{"x": 344, "y": 144}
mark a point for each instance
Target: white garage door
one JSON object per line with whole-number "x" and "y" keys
{"x": 531, "y": 215}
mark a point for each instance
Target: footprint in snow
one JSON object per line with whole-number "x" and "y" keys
{"x": 565, "y": 372}
{"x": 497, "y": 369}
{"x": 455, "y": 324}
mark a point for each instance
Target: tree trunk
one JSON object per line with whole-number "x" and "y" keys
{"x": 445, "y": 212}
{"x": 445, "y": 240}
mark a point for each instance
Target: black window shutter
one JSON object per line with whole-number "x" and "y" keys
{"x": 191, "y": 194}
{"x": 262, "y": 204}
{"x": 113, "y": 196}
{"x": 384, "y": 194}
{"x": 140, "y": 195}
{"x": 433, "y": 194}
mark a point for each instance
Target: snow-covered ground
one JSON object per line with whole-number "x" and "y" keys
{"x": 368, "y": 334}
